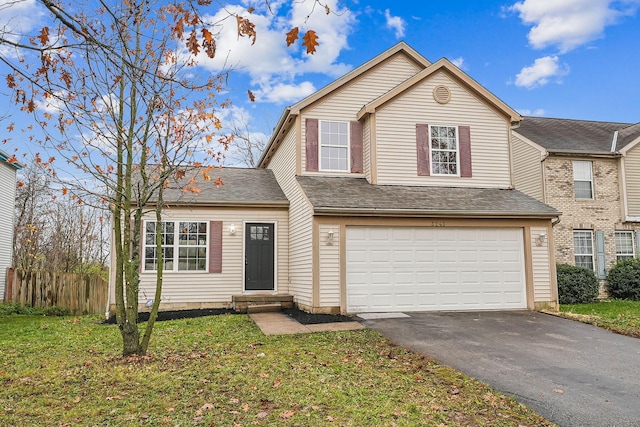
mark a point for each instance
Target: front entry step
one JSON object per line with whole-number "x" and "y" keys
{"x": 264, "y": 308}
{"x": 260, "y": 303}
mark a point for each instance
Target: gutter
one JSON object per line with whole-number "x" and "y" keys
{"x": 5, "y": 157}
{"x": 596, "y": 154}
{"x": 230, "y": 203}
{"x": 437, "y": 214}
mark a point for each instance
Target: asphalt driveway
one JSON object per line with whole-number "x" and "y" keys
{"x": 571, "y": 373}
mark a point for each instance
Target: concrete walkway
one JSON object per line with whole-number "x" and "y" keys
{"x": 280, "y": 324}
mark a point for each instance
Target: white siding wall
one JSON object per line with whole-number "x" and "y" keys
{"x": 366, "y": 149}
{"x": 396, "y": 136}
{"x": 7, "y": 204}
{"x": 283, "y": 165}
{"x": 632, "y": 171}
{"x": 542, "y": 283}
{"x": 346, "y": 102}
{"x": 527, "y": 168}
{"x": 329, "y": 266}
{"x": 204, "y": 287}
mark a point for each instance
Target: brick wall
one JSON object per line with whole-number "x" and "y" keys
{"x": 604, "y": 212}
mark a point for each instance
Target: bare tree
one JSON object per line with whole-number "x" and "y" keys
{"x": 56, "y": 233}
{"x": 114, "y": 88}
{"x": 32, "y": 195}
{"x": 116, "y": 104}
{"x": 247, "y": 145}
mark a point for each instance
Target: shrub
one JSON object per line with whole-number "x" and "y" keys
{"x": 56, "y": 311}
{"x": 623, "y": 280}
{"x": 576, "y": 285}
{"x": 13, "y": 308}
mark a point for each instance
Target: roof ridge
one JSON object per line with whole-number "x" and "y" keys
{"x": 579, "y": 120}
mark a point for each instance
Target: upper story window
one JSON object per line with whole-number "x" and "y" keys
{"x": 624, "y": 245}
{"x": 184, "y": 246}
{"x": 583, "y": 248}
{"x": 444, "y": 150}
{"x": 334, "y": 146}
{"x": 582, "y": 179}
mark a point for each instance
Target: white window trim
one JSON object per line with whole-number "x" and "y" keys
{"x": 431, "y": 162}
{"x": 176, "y": 247}
{"x": 320, "y": 145}
{"x": 633, "y": 244}
{"x": 590, "y": 181}
{"x": 593, "y": 248}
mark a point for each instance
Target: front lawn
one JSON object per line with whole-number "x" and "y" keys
{"x": 618, "y": 316}
{"x": 221, "y": 370}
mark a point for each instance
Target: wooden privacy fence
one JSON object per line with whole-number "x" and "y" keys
{"x": 80, "y": 293}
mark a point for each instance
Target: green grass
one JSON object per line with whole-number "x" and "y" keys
{"x": 222, "y": 371}
{"x": 618, "y": 316}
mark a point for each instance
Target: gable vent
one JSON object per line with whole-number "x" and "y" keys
{"x": 441, "y": 94}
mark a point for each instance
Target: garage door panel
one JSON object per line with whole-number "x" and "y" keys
{"x": 415, "y": 269}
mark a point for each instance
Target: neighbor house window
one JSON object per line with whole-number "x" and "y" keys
{"x": 334, "y": 146}
{"x": 582, "y": 179}
{"x": 184, "y": 246}
{"x": 583, "y": 248}
{"x": 624, "y": 245}
{"x": 444, "y": 150}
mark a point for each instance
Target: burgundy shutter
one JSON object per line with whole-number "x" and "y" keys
{"x": 215, "y": 247}
{"x": 356, "y": 147}
{"x": 422, "y": 146}
{"x": 464, "y": 139}
{"x": 311, "y": 132}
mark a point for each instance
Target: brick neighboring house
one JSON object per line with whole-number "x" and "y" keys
{"x": 589, "y": 171}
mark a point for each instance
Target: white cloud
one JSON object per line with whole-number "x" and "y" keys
{"x": 284, "y": 93}
{"x": 538, "y": 112}
{"x": 567, "y": 24}
{"x": 541, "y": 72}
{"x": 270, "y": 60}
{"x": 395, "y": 23}
{"x": 18, "y": 18}
{"x": 458, "y": 62}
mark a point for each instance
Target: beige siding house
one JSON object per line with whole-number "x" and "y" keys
{"x": 7, "y": 203}
{"x": 222, "y": 242}
{"x": 400, "y": 183}
{"x": 590, "y": 172}
{"x": 390, "y": 189}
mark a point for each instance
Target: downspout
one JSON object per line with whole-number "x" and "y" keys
{"x": 614, "y": 142}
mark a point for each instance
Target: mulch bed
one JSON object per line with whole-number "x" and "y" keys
{"x": 179, "y": 314}
{"x": 299, "y": 315}
{"x": 310, "y": 319}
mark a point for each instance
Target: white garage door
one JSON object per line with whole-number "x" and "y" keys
{"x": 442, "y": 268}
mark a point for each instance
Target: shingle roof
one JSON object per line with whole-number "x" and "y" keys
{"x": 567, "y": 135}
{"x": 245, "y": 186}
{"x": 628, "y": 135}
{"x": 357, "y": 196}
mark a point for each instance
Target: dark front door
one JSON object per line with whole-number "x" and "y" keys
{"x": 259, "y": 257}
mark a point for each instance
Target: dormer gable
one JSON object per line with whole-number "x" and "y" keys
{"x": 444, "y": 65}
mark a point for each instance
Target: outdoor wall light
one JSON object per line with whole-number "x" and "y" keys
{"x": 541, "y": 238}
{"x": 330, "y": 237}
{"x": 232, "y": 229}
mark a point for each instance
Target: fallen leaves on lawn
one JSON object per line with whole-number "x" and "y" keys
{"x": 287, "y": 414}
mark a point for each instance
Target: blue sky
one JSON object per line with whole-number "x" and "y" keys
{"x": 576, "y": 59}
